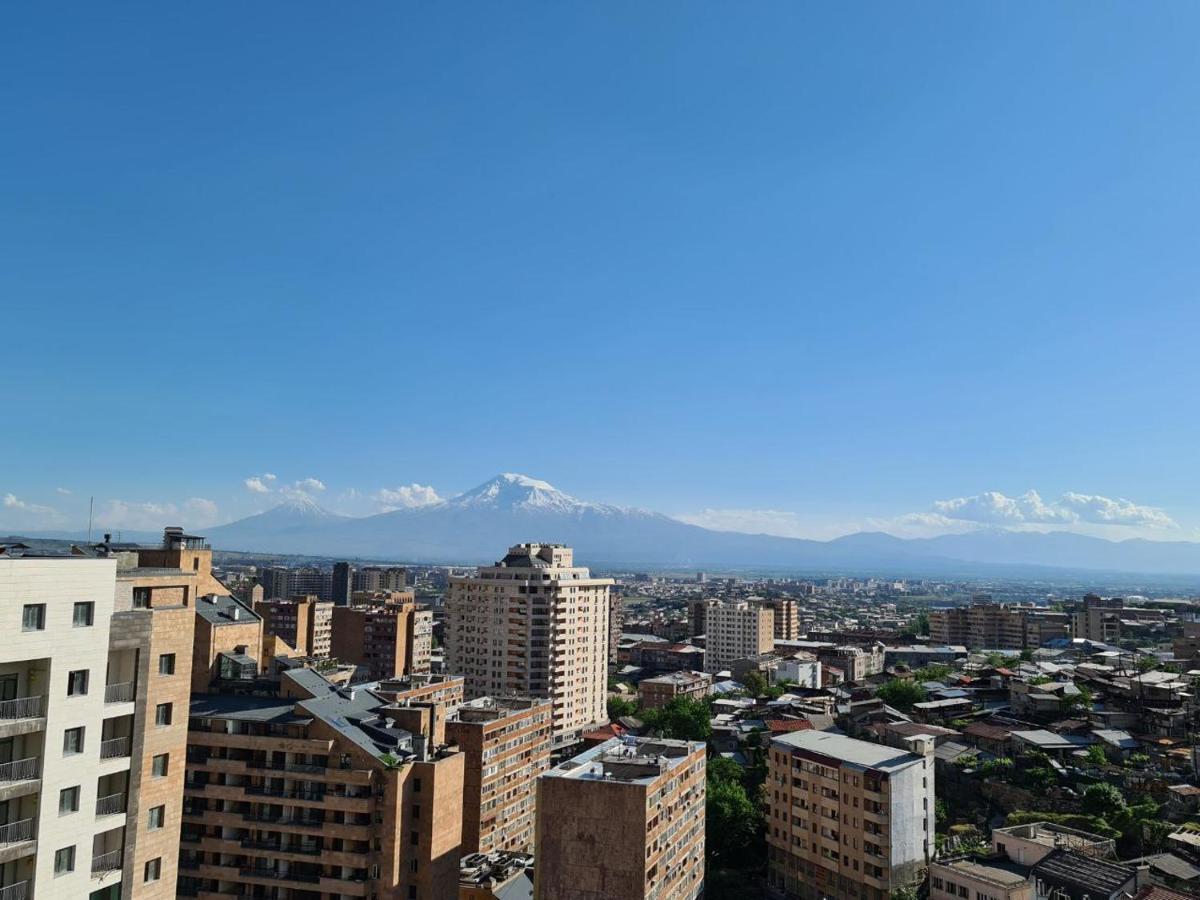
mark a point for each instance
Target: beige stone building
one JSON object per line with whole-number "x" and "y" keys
{"x": 736, "y": 631}
{"x": 505, "y": 742}
{"x": 534, "y": 624}
{"x": 848, "y": 820}
{"x": 623, "y": 821}
{"x": 305, "y": 623}
{"x": 786, "y": 625}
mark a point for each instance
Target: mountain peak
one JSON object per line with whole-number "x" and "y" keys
{"x": 510, "y": 490}
{"x": 300, "y": 506}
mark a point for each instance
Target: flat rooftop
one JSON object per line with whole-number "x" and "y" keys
{"x": 626, "y": 760}
{"x": 842, "y": 749}
{"x": 997, "y": 871}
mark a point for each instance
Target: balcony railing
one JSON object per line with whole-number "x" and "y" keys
{"x": 18, "y": 891}
{"x": 19, "y": 770}
{"x": 121, "y": 692}
{"x": 21, "y": 708}
{"x": 112, "y": 805}
{"x": 17, "y": 832}
{"x": 107, "y": 862}
{"x": 113, "y": 748}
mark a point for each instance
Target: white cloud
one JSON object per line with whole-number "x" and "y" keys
{"x": 1119, "y": 511}
{"x": 255, "y": 485}
{"x": 195, "y": 512}
{"x": 406, "y": 496}
{"x": 63, "y": 491}
{"x": 17, "y": 514}
{"x": 265, "y": 484}
{"x": 992, "y": 507}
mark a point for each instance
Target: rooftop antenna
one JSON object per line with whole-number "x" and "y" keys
{"x": 91, "y": 500}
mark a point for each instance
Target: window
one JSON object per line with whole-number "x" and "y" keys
{"x": 83, "y": 615}
{"x": 159, "y": 765}
{"x": 68, "y": 800}
{"x": 141, "y": 598}
{"x": 416, "y": 785}
{"x": 158, "y": 815}
{"x": 414, "y": 838}
{"x": 153, "y": 869}
{"x": 162, "y": 714}
{"x": 64, "y": 860}
{"x": 416, "y": 811}
{"x": 77, "y": 683}
{"x": 166, "y": 664}
{"x": 72, "y": 741}
{"x": 33, "y": 617}
{"x": 412, "y": 892}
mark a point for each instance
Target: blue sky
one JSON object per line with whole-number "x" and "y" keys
{"x": 800, "y": 267}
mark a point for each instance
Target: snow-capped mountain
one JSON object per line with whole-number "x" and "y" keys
{"x": 480, "y": 524}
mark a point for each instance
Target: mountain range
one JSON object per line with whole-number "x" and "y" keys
{"x": 480, "y": 524}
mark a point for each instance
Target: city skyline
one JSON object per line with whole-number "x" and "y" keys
{"x": 785, "y": 271}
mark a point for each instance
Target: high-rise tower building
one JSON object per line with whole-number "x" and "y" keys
{"x": 534, "y": 624}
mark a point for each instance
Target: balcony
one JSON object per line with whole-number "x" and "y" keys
{"x": 121, "y": 692}
{"x": 107, "y": 862}
{"x": 114, "y": 748}
{"x": 18, "y": 891}
{"x": 112, "y": 805}
{"x": 19, "y": 770}
{"x": 22, "y": 708}
{"x": 17, "y": 832}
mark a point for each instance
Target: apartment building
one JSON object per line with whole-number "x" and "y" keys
{"x": 994, "y": 626}
{"x": 373, "y": 579}
{"x": 736, "y": 631}
{"x": 698, "y": 615}
{"x": 305, "y": 623}
{"x": 623, "y": 821}
{"x": 505, "y": 742}
{"x": 534, "y": 624}
{"x": 616, "y": 622}
{"x": 443, "y": 690}
{"x": 787, "y": 617}
{"x": 92, "y": 673}
{"x": 303, "y": 790}
{"x": 386, "y": 634}
{"x": 855, "y": 663}
{"x": 657, "y": 692}
{"x": 280, "y": 582}
{"x": 847, "y": 818}
{"x": 228, "y": 637}
{"x": 1099, "y": 619}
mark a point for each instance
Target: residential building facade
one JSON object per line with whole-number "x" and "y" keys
{"x": 534, "y": 624}
{"x": 642, "y": 801}
{"x": 735, "y": 631}
{"x": 847, "y": 818}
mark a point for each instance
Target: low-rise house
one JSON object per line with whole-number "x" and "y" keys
{"x": 1050, "y": 743}
{"x": 991, "y": 737}
{"x": 1031, "y": 843}
{"x": 657, "y": 692}
{"x": 942, "y": 710}
{"x": 1117, "y": 744}
{"x": 994, "y": 878}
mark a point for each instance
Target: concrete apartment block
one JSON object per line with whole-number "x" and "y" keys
{"x": 623, "y": 821}
{"x": 534, "y": 624}
{"x": 847, "y": 819}
{"x": 386, "y": 634}
{"x": 305, "y": 623}
{"x": 736, "y": 631}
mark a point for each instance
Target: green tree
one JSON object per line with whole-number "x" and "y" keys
{"x": 934, "y": 672}
{"x": 755, "y": 683}
{"x": 901, "y": 694}
{"x": 731, "y": 820}
{"x": 1095, "y": 755}
{"x": 721, "y": 769}
{"x": 620, "y": 706}
{"x": 683, "y": 719}
{"x": 1103, "y": 800}
{"x": 1027, "y": 655}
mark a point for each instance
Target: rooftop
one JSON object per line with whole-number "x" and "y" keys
{"x": 1102, "y": 877}
{"x": 842, "y": 749}
{"x": 628, "y": 760}
{"x": 221, "y": 609}
{"x": 997, "y": 870}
